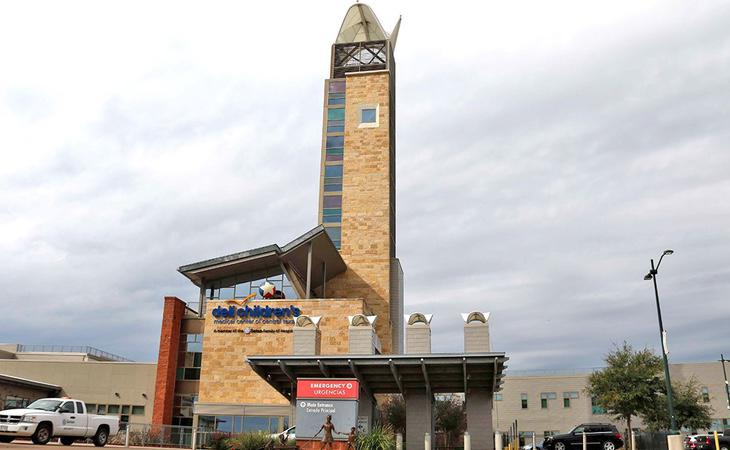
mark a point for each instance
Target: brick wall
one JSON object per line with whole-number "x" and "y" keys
{"x": 172, "y": 316}
{"x": 225, "y": 375}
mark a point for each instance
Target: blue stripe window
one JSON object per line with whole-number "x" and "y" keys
{"x": 333, "y": 187}
{"x": 336, "y": 129}
{"x": 336, "y": 114}
{"x": 335, "y": 141}
{"x": 332, "y": 171}
{"x": 336, "y": 101}
{"x": 335, "y": 234}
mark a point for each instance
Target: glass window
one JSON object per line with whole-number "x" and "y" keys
{"x": 336, "y": 101}
{"x": 206, "y": 422}
{"x": 543, "y": 403}
{"x": 101, "y": 409}
{"x": 566, "y": 402}
{"x": 125, "y": 409}
{"x": 113, "y": 409}
{"x": 237, "y": 424}
{"x": 336, "y": 114}
{"x": 192, "y": 374}
{"x": 274, "y": 425}
{"x": 498, "y": 397}
{"x": 333, "y": 187}
{"x": 335, "y": 233}
{"x": 523, "y": 399}
{"x": 138, "y": 410}
{"x": 224, "y": 424}
{"x": 333, "y": 171}
{"x": 368, "y": 115}
{"x": 255, "y": 423}
{"x": 79, "y": 407}
{"x": 335, "y": 141}
{"x": 290, "y": 292}
{"x": 124, "y": 418}
{"x": 335, "y": 128}
{"x": 90, "y": 408}
{"x": 332, "y": 219}
{"x": 333, "y": 157}
{"x": 332, "y": 201}
{"x": 337, "y": 86}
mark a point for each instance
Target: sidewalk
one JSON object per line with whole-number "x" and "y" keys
{"x": 28, "y": 445}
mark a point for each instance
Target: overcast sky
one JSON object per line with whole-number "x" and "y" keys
{"x": 546, "y": 151}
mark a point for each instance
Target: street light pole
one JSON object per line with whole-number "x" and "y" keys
{"x": 662, "y": 336}
{"x": 727, "y": 388}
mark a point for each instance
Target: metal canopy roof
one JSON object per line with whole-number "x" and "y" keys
{"x": 388, "y": 374}
{"x": 25, "y": 382}
{"x": 294, "y": 254}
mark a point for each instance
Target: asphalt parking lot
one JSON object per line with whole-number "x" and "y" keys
{"x": 28, "y": 445}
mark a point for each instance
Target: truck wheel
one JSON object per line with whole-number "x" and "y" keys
{"x": 101, "y": 437}
{"x": 66, "y": 440}
{"x": 42, "y": 434}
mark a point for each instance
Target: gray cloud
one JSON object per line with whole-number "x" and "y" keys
{"x": 541, "y": 163}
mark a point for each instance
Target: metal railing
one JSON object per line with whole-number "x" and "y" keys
{"x": 51, "y": 348}
{"x": 146, "y": 435}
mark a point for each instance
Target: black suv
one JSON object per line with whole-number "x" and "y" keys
{"x": 599, "y": 436}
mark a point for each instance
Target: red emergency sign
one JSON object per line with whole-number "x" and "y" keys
{"x": 332, "y": 388}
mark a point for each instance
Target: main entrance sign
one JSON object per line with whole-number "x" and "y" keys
{"x": 318, "y": 398}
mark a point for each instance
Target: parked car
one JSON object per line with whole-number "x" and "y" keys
{"x": 47, "y": 418}
{"x": 599, "y": 436}
{"x": 706, "y": 442}
{"x": 289, "y": 433}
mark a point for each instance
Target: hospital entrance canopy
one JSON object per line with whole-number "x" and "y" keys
{"x": 388, "y": 374}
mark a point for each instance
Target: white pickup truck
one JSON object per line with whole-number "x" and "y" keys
{"x": 56, "y": 417}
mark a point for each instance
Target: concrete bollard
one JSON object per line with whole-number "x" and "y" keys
{"x": 467, "y": 441}
{"x": 427, "y": 442}
{"x": 194, "y": 443}
{"x": 497, "y": 441}
{"x": 398, "y": 441}
{"x": 585, "y": 441}
{"x": 126, "y": 436}
{"x": 633, "y": 440}
{"x": 533, "y": 440}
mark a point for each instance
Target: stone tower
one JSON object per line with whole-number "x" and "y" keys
{"x": 357, "y": 181}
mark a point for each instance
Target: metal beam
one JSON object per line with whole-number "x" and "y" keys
{"x": 463, "y": 366}
{"x": 425, "y": 375}
{"x": 287, "y": 372}
{"x": 494, "y": 377}
{"x": 309, "y": 270}
{"x": 394, "y": 371}
{"x": 359, "y": 377}
{"x": 323, "y": 369}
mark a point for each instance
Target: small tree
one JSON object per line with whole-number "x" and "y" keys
{"x": 450, "y": 417}
{"x": 393, "y": 413}
{"x": 690, "y": 410}
{"x": 628, "y": 384}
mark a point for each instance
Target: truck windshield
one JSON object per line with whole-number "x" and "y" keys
{"x": 45, "y": 405}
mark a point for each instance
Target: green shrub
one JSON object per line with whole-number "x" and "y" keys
{"x": 381, "y": 437}
{"x": 218, "y": 441}
{"x": 249, "y": 441}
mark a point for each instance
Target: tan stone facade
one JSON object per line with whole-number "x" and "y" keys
{"x": 225, "y": 375}
{"x": 366, "y": 201}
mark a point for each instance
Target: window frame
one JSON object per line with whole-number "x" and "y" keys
{"x": 363, "y": 108}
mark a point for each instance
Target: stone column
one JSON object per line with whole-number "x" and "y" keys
{"x": 476, "y": 332}
{"x": 419, "y": 417}
{"x": 362, "y": 337}
{"x": 479, "y": 418}
{"x": 418, "y": 333}
{"x": 306, "y": 335}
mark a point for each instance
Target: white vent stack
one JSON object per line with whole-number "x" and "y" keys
{"x": 363, "y": 339}
{"x": 418, "y": 333}
{"x": 307, "y": 337}
{"x": 476, "y": 332}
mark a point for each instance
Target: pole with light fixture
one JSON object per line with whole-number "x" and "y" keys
{"x": 724, "y": 373}
{"x": 663, "y": 336}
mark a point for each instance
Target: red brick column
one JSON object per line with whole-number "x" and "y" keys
{"x": 172, "y": 316}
